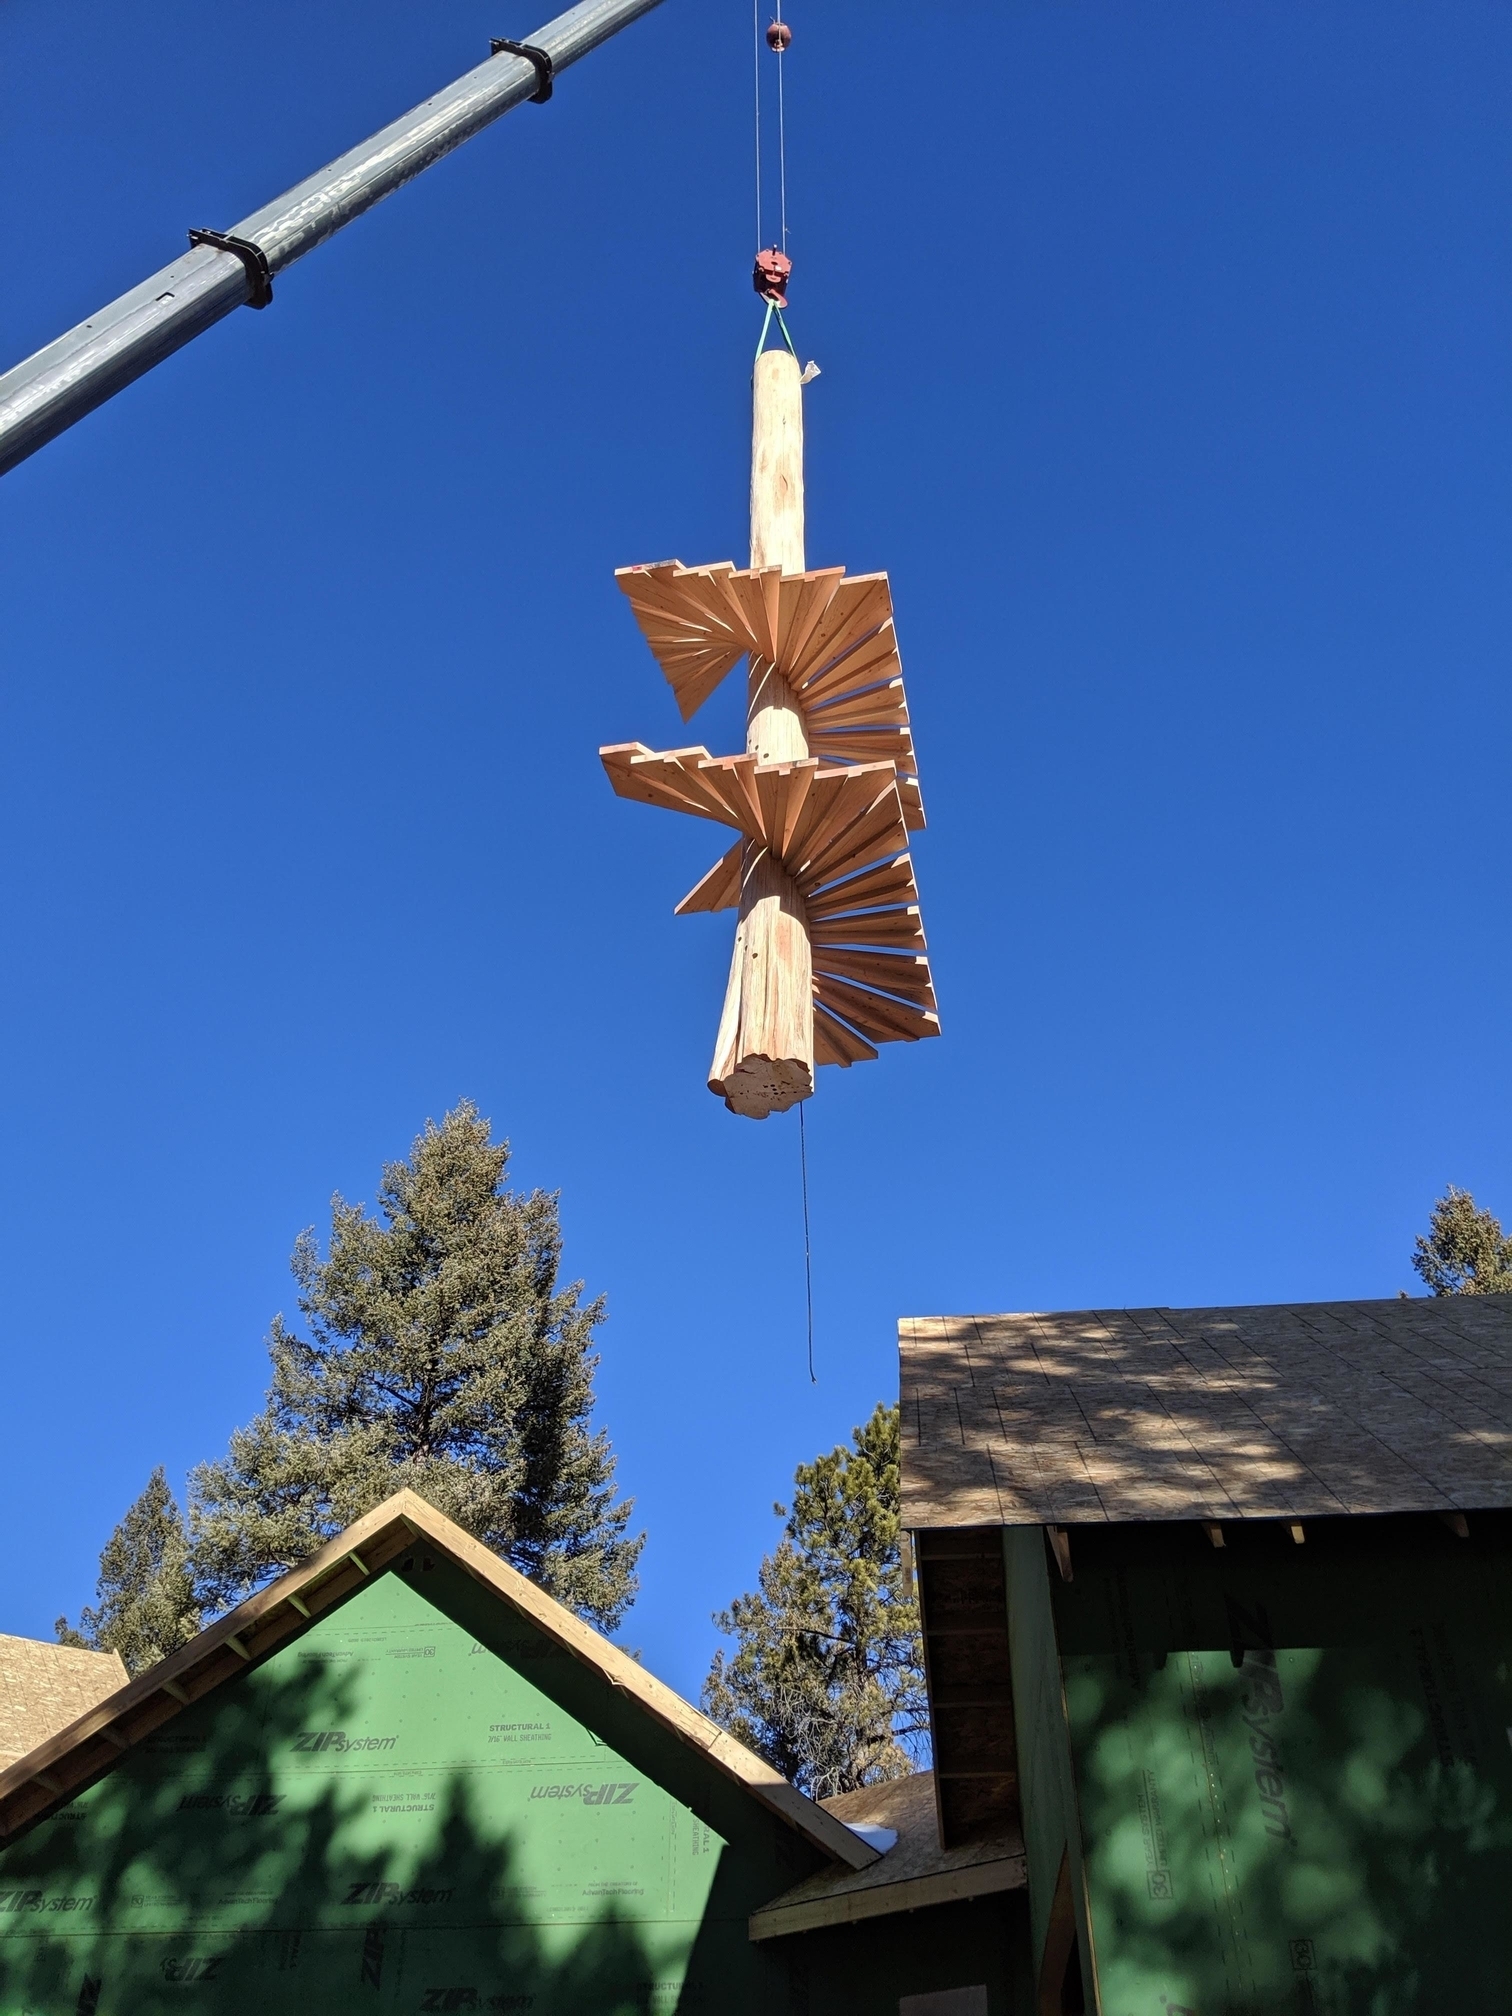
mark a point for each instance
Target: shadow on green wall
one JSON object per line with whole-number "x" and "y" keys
{"x": 183, "y": 1882}
{"x": 1314, "y": 1817}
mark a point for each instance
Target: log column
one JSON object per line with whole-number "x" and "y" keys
{"x": 764, "y": 1055}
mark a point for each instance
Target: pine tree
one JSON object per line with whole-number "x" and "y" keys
{"x": 1465, "y": 1251}
{"x": 827, "y": 1678}
{"x": 144, "y": 1605}
{"x": 441, "y": 1355}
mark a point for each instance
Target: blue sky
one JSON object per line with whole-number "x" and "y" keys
{"x": 1164, "y": 362}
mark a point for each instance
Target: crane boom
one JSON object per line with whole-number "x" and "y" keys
{"x": 58, "y": 385}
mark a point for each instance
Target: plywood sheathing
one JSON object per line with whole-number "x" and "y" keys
{"x": 1286, "y": 1411}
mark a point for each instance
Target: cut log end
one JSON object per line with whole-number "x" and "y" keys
{"x": 761, "y": 1085}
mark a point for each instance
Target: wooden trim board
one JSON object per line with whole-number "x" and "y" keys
{"x": 881, "y": 1900}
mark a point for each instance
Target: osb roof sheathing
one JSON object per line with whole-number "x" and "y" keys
{"x": 45, "y": 1687}
{"x": 1285, "y": 1411}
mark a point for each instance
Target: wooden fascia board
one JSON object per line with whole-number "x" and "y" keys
{"x": 271, "y": 1619}
{"x": 882, "y": 1900}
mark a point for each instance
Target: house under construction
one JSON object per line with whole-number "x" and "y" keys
{"x": 1218, "y": 1611}
{"x": 1218, "y": 1627}
{"x": 402, "y": 1777}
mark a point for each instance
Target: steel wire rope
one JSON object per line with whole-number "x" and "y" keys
{"x": 756, "y": 42}
{"x": 756, "y": 53}
{"x": 808, "y": 1258}
{"x": 781, "y": 137}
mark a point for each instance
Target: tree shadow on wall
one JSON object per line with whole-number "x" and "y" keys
{"x": 195, "y": 1877}
{"x": 1289, "y": 1834}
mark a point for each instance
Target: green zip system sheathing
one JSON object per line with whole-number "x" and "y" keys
{"x": 420, "y": 1804}
{"x": 1292, "y": 1764}
{"x": 1047, "y": 1791}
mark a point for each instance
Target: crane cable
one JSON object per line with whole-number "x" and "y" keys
{"x": 772, "y": 263}
{"x": 808, "y": 1258}
{"x": 756, "y": 52}
{"x": 781, "y": 135}
{"x": 777, "y": 39}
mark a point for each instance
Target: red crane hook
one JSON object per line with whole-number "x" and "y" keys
{"x": 771, "y": 275}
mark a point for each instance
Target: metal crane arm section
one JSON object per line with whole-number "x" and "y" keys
{"x": 70, "y": 377}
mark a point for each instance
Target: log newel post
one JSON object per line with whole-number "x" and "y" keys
{"x": 764, "y": 1054}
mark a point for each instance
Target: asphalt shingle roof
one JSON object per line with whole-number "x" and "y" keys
{"x": 45, "y": 1687}
{"x": 1292, "y": 1410}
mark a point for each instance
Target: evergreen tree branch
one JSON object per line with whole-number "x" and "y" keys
{"x": 826, "y": 1678}
{"x": 441, "y": 1353}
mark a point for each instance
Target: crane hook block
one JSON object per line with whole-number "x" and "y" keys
{"x": 770, "y": 279}
{"x": 545, "y": 69}
{"x": 779, "y": 35}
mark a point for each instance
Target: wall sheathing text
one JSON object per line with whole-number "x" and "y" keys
{"x": 422, "y": 1803}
